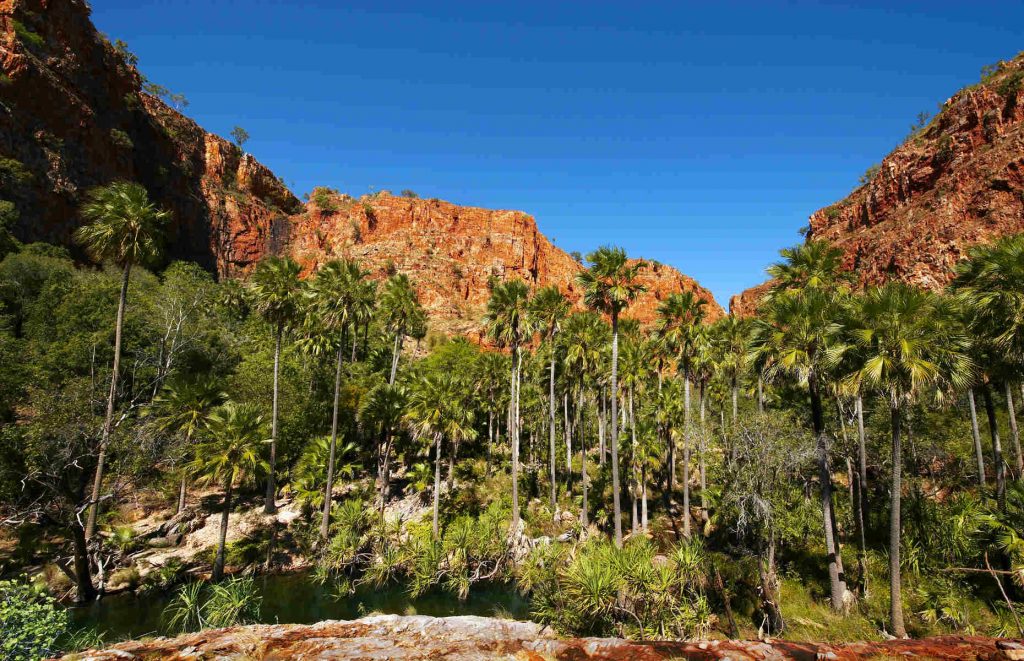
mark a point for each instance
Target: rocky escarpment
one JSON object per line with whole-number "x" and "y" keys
{"x": 478, "y": 638}
{"x": 452, "y": 252}
{"x": 74, "y": 115}
{"x": 954, "y": 183}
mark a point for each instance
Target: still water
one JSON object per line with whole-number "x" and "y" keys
{"x": 297, "y": 599}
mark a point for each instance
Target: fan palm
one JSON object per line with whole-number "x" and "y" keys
{"x": 123, "y": 227}
{"x": 181, "y": 407}
{"x": 547, "y": 309}
{"x": 507, "y": 325}
{"x": 230, "y": 450}
{"x": 610, "y": 285}
{"x": 381, "y": 410}
{"x": 909, "y": 343}
{"x": 276, "y": 293}
{"x": 402, "y": 313}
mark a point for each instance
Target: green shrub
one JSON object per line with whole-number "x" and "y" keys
{"x": 30, "y": 623}
{"x": 31, "y": 39}
{"x": 323, "y": 198}
{"x": 14, "y": 172}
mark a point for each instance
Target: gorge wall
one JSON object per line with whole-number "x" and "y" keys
{"x": 954, "y": 183}
{"x": 75, "y": 113}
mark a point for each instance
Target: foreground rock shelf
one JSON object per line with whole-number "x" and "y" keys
{"x": 470, "y": 638}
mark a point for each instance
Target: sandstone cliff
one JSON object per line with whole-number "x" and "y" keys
{"x": 954, "y": 183}
{"x": 469, "y": 638}
{"x": 74, "y": 115}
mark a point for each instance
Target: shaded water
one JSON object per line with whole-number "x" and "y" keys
{"x": 297, "y": 599}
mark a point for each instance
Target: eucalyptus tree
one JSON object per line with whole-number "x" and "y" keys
{"x": 508, "y": 325}
{"x": 402, "y": 313}
{"x": 438, "y": 408}
{"x": 277, "y": 294}
{"x": 798, "y": 338}
{"x": 610, "y": 284}
{"x": 231, "y": 449}
{"x": 547, "y": 309}
{"x": 333, "y": 295}
{"x": 126, "y": 228}
{"x": 181, "y": 407}
{"x": 910, "y": 343}
{"x": 381, "y": 410}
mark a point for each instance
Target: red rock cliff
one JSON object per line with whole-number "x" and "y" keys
{"x": 957, "y": 182}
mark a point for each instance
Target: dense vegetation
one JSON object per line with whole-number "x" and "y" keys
{"x": 667, "y": 481}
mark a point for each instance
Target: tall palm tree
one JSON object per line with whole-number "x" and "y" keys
{"x": 799, "y": 338}
{"x": 610, "y": 285}
{"x": 437, "y": 409}
{"x": 382, "y": 409}
{"x": 334, "y": 293}
{"x": 181, "y": 407}
{"x": 126, "y": 228}
{"x": 231, "y": 450}
{"x": 402, "y": 314}
{"x": 277, "y": 293}
{"x": 508, "y": 324}
{"x": 547, "y": 309}
{"x": 909, "y": 342}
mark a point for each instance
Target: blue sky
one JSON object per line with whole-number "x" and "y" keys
{"x": 699, "y": 134}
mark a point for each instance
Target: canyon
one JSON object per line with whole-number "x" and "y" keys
{"x": 78, "y": 114}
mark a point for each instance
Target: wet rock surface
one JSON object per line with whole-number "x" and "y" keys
{"x": 470, "y": 638}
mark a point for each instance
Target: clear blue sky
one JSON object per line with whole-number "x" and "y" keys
{"x": 700, "y": 134}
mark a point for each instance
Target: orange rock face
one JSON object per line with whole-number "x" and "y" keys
{"x": 956, "y": 183}
{"x": 76, "y": 116}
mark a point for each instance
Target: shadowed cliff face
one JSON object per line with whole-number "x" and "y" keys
{"x": 957, "y": 182}
{"x": 74, "y": 116}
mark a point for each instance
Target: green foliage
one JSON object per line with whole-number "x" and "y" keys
{"x": 27, "y": 36}
{"x": 14, "y": 173}
{"x": 239, "y": 136}
{"x": 870, "y": 174}
{"x": 198, "y": 606}
{"x": 121, "y": 139}
{"x": 411, "y": 194}
{"x": 30, "y": 623}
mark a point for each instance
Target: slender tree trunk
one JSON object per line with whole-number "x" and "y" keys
{"x": 394, "y": 357}
{"x": 182, "y": 489}
{"x": 735, "y": 401}
{"x": 862, "y": 456}
{"x": 514, "y": 436}
{"x": 437, "y": 483}
{"x": 355, "y": 342}
{"x": 1014, "y": 434}
{"x": 83, "y": 579}
{"x": 451, "y": 465}
{"x": 770, "y": 588}
{"x": 384, "y": 469}
{"x": 614, "y": 439}
{"x": 997, "y": 447}
{"x": 568, "y": 446}
{"x": 643, "y": 497}
{"x": 490, "y": 440}
{"x": 218, "y": 563}
{"x": 601, "y": 422}
{"x": 108, "y": 421}
{"x": 701, "y": 450}
{"x": 270, "y": 504}
{"x": 895, "y": 587}
{"x": 857, "y": 501}
{"x": 686, "y": 456}
{"x": 760, "y": 394}
{"x": 584, "y": 478}
{"x": 837, "y": 581}
{"x": 979, "y": 454}
{"x": 325, "y": 520}
{"x": 551, "y": 431}
{"x": 634, "y": 464}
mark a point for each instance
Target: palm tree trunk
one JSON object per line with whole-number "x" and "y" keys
{"x": 997, "y": 447}
{"x": 108, "y": 421}
{"x": 182, "y": 489}
{"x": 568, "y": 446}
{"x": 686, "y": 456}
{"x": 858, "y": 521}
{"x": 394, "y": 357}
{"x": 451, "y": 465}
{"x": 270, "y": 506}
{"x": 83, "y": 579}
{"x": 634, "y": 463}
{"x": 614, "y": 440}
{"x": 1012, "y": 412}
{"x": 735, "y": 401}
{"x": 583, "y": 460}
{"x": 325, "y": 520}
{"x": 490, "y": 440}
{"x": 601, "y": 423}
{"x": 701, "y": 449}
{"x": 643, "y": 496}
{"x": 895, "y": 587}
{"x": 551, "y": 430}
{"x": 760, "y": 394}
{"x": 770, "y": 587}
{"x": 218, "y": 564}
{"x": 437, "y": 482}
{"x": 384, "y": 469}
{"x": 977, "y": 438}
{"x": 837, "y": 582}
{"x": 862, "y": 456}
{"x": 513, "y": 435}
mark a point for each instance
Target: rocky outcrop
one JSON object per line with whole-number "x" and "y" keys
{"x": 74, "y": 115}
{"x": 954, "y": 183}
{"x": 477, "y": 638}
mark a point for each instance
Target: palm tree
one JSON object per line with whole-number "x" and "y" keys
{"x": 547, "y": 309}
{"x": 381, "y": 409}
{"x": 276, "y": 292}
{"x": 909, "y": 343}
{"x": 334, "y": 293}
{"x": 507, "y": 325}
{"x": 124, "y": 227}
{"x": 230, "y": 451}
{"x": 610, "y": 285}
{"x": 181, "y": 408}
{"x": 403, "y": 314}
{"x": 437, "y": 409}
